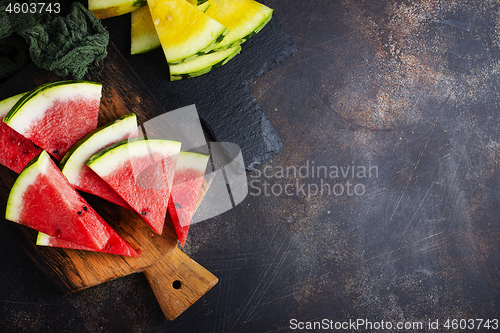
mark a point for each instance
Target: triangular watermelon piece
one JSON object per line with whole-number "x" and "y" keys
{"x": 243, "y": 18}
{"x": 119, "y": 247}
{"x": 15, "y": 150}
{"x": 188, "y": 179}
{"x": 141, "y": 171}
{"x": 43, "y": 199}
{"x": 80, "y": 175}
{"x": 56, "y": 115}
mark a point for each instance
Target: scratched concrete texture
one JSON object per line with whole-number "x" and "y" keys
{"x": 407, "y": 94}
{"x": 412, "y": 88}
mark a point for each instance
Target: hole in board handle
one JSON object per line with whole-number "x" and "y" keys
{"x": 177, "y": 284}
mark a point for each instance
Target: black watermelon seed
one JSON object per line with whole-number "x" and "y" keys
{"x": 144, "y": 212}
{"x": 85, "y": 208}
{"x": 79, "y": 212}
{"x": 55, "y": 152}
{"x": 178, "y": 206}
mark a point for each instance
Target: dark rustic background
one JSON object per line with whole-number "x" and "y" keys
{"x": 408, "y": 87}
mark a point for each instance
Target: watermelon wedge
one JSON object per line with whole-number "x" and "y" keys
{"x": 243, "y": 18}
{"x": 15, "y": 150}
{"x": 110, "y": 8}
{"x": 46, "y": 240}
{"x": 184, "y": 31}
{"x": 120, "y": 247}
{"x": 56, "y": 115}
{"x": 189, "y": 174}
{"x": 80, "y": 175}
{"x": 44, "y": 200}
{"x": 141, "y": 171}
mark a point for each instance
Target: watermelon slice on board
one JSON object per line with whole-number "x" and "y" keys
{"x": 141, "y": 171}
{"x": 185, "y": 197}
{"x": 43, "y": 199}
{"x": 80, "y": 175}
{"x": 188, "y": 180}
{"x": 56, "y": 115}
{"x": 243, "y": 18}
{"x": 15, "y": 150}
{"x": 46, "y": 240}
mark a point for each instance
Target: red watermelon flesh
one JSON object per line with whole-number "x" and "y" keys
{"x": 142, "y": 193}
{"x": 141, "y": 172}
{"x": 44, "y": 200}
{"x": 56, "y": 131}
{"x": 118, "y": 246}
{"x": 56, "y": 115}
{"x": 15, "y": 150}
{"x": 90, "y": 182}
{"x": 184, "y": 197}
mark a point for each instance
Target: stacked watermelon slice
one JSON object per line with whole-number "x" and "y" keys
{"x": 49, "y": 136}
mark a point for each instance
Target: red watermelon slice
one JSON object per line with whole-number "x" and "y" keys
{"x": 189, "y": 174}
{"x": 141, "y": 171}
{"x": 121, "y": 248}
{"x": 15, "y": 150}
{"x": 56, "y": 115}
{"x": 80, "y": 175}
{"x": 43, "y": 199}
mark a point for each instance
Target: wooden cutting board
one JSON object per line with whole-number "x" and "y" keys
{"x": 176, "y": 280}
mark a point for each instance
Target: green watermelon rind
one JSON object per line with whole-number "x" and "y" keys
{"x": 113, "y": 157}
{"x": 193, "y": 160}
{"x": 37, "y": 165}
{"x": 93, "y": 142}
{"x": 7, "y": 104}
{"x": 21, "y": 115}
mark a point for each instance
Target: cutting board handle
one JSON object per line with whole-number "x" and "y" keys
{"x": 178, "y": 281}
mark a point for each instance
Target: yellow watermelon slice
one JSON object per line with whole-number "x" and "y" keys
{"x": 143, "y": 36}
{"x": 15, "y": 150}
{"x": 141, "y": 171}
{"x": 109, "y": 8}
